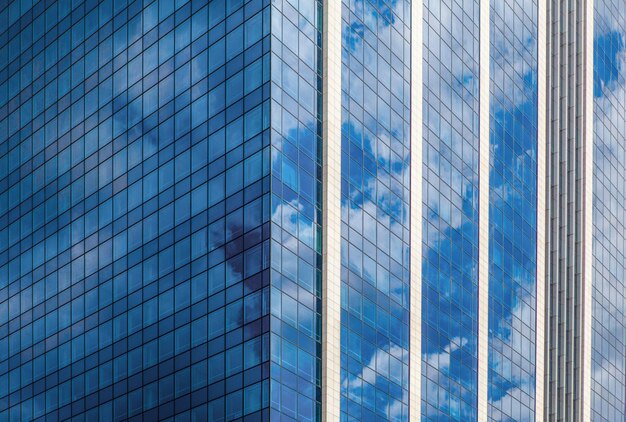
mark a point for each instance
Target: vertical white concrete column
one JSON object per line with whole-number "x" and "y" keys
{"x": 483, "y": 212}
{"x": 587, "y": 210}
{"x": 331, "y": 216}
{"x": 415, "y": 358}
{"x": 542, "y": 150}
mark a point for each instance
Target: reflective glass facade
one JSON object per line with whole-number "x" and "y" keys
{"x": 135, "y": 210}
{"x": 512, "y": 210}
{"x": 296, "y": 213}
{"x": 450, "y": 210}
{"x": 608, "y": 381}
{"x": 375, "y": 198}
{"x": 164, "y": 169}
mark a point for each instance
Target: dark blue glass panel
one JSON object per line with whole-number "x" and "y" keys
{"x": 135, "y": 210}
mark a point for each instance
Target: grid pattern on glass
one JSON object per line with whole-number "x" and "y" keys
{"x": 450, "y": 210}
{"x": 512, "y": 210}
{"x": 296, "y": 214}
{"x": 134, "y": 209}
{"x": 608, "y": 382}
{"x": 375, "y": 197}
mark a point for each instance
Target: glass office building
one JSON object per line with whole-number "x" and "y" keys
{"x": 312, "y": 210}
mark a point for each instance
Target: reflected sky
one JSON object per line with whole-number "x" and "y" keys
{"x": 513, "y": 188}
{"x": 295, "y": 206}
{"x": 375, "y": 209}
{"x": 608, "y": 386}
{"x": 450, "y": 211}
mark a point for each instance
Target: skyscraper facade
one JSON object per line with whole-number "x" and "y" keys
{"x": 312, "y": 210}
{"x": 608, "y": 301}
{"x": 137, "y": 210}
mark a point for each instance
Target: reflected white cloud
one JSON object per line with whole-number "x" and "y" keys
{"x": 511, "y": 338}
{"x": 355, "y": 385}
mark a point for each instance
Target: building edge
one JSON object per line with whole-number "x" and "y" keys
{"x": 542, "y": 151}
{"x": 588, "y": 210}
{"x": 415, "y": 357}
{"x": 331, "y": 215}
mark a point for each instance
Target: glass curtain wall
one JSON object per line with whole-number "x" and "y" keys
{"x": 450, "y": 209}
{"x": 375, "y": 198}
{"x": 608, "y": 371}
{"x": 512, "y": 210}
